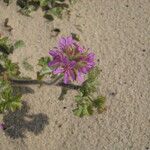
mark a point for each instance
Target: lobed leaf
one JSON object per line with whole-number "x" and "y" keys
{"x": 19, "y": 44}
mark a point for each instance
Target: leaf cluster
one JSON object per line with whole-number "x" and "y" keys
{"x": 8, "y": 99}
{"x": 86, "y": 99}
{"x": 51, "y": 8}
{"x": 7, "y": 48}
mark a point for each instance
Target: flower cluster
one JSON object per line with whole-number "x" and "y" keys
{"x": 71, "y": 60}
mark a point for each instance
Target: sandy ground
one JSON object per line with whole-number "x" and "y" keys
{"x": 118, "y": 31}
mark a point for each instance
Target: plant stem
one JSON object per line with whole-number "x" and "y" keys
{"x": 31, "y": 81}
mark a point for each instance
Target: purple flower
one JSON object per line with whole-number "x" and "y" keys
{"x": 71, "y": 60}
{"x": 2, "y": 126}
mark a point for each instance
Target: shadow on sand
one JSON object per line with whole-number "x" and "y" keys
{"x": 19, "y": 122}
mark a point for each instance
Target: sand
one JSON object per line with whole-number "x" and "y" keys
{"x": 118, "y": 31}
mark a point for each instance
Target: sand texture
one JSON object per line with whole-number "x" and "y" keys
{"x": 118, "y": 31}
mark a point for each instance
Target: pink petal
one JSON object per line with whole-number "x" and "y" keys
{"x": 66, "y": 78}
{"x": 62, "y": 42}
{"x": 58, "y": 70}
{"x": 72, "y": 64}
{"x": 65, "y": 60}
{"x": 69, "y": 40}
{"x": 79, "y": 48}
{"x": 65, "y": 42}
{"x": 72, "y": 75}
{"x": 80, "y": 77}
{"x": 84, "y": 70}
{"x": 53, "y": 52}
{"x": 90, "y": 57}
{"x": 52, "y": 63}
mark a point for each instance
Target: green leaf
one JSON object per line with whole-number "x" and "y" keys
{"x": 75, "y": 36}
{"x": 5, "y": 46}
{"x": 12, "y": 69}
{"x": 4, "y": 85}
{"x": 19, "y": 44}
{"x": 89, "y": 86}
{"x": 84, "y": 106}
{"x": 44, "y": 61}
{"x": 44, "y": 71}
{"x": 99, "y": 103}
{"x": 48, "y": 16}
{"x": 87, "y": 110}
{"x": 56, "y": 11}
{"x": 27, "y": 10}
{"x": 83, "y": 110}
{"x": 6, "y": 49}
{"x": 44, "y": 3}
{"x": 78, "y": 111}
{"x": 78, "y": 98}
{"x": 3, "y": 40}
{"x": 93, "y": 74}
